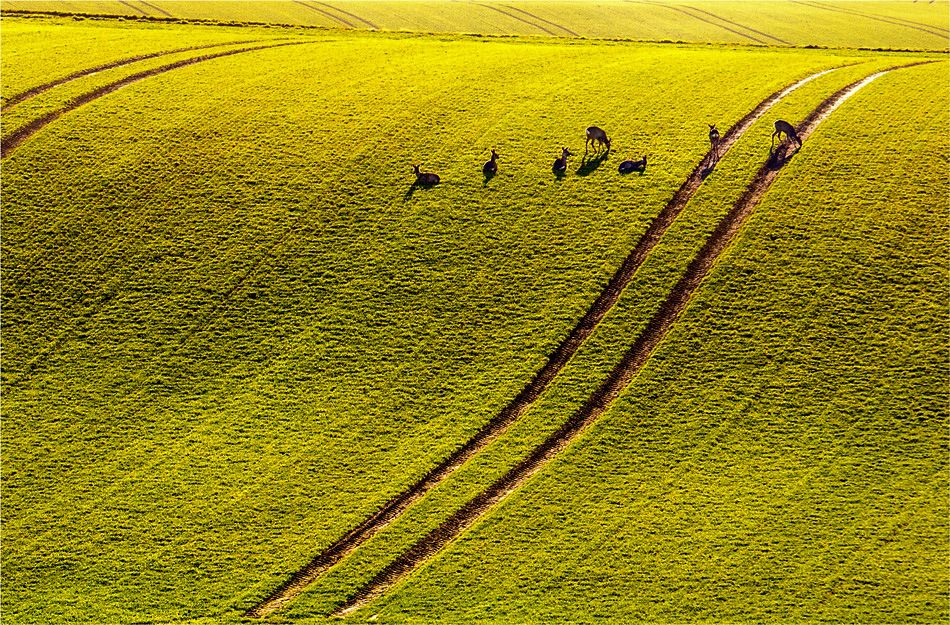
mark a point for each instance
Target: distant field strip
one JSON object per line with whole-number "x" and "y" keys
{"x": 515, "y": 17}
{"x": 541, "y": 19}
{"x": 353, "y": 15}
{"x": 701, "y": 19}
{"x": 337, "y": 18}
{"x": 925, "y": 28}
{"x": 29, "y": 93}
{"x": 556, "y": 362}
{"x": 619, "y": 378}
{"x": 722, "y": 19}
{"x": 18, "y": 136}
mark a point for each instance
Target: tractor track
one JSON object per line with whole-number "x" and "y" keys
{"x": 21, "y": 134}
{"x": 631, "y": 363}
{"x": 542, "y": 379}
{"x": 353, "y": 15}
{"x": 516, "y": 17}
{"x": 700, "y": 18}
{"x": 924, "y": 28}
{"x": 750, "y": 29}
{"x": 337, "y": 18}
{"x": 541, "y": 19}
{"x": 156, "y": 8}
{"x": 138, "y": 10}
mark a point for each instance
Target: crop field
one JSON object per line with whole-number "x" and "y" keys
{"x": 252, "y": 373}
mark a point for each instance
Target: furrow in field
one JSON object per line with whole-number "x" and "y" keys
{"x": 631, "y": 363}
{"x": 133, "y": 7}
{"x": 931, "y": 30}
{"x": 541, "y": 19}
{"x": 336, "y": 18}
{"x": 156, "y": 8}
{"x": 18, "y": 136}
{"x": 29, "y": 93}
{"x": 351, "y": 14}
{"x": 556, "y": 362}
{"x": 722, "y": 19}
{"x": 700, "y": 18}
{"x": 520, "y": 19}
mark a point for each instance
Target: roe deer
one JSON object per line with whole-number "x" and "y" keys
{"x": 490, "y": 168}
{"x": 596, "y": 137}
{"x": 425, "y": 179}
{"x": 714, "y": 140}
{"x": 782, "y": 127}
{"x": 630, "y": 166}
{"x": 560, "y": 165}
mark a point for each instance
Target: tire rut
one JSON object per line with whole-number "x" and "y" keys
{"x": 513, "y": 16}
{"x": 728, "y": 21}
{"x": 21, "y": 134}
{"x": 631, "y": 363}
{"x": 930, "y": 30}
{"x": 29, "y": 93}
{"x": 542, "y": 379}
{"x": 156, "y": 8}
{"x": 541, "y": 19}
{"x": 353, "y": 15}
{"x": 138, "y": 10}
{"x": 682, "y": 10}
{"x": 336, "y": 18}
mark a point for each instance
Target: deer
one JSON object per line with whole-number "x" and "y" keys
{"x": 490, "y": 168}
{"x": 560, "y": 165}
{"x": 714, "y": 140}
{"x": 783, "y": 127}
{"x": 627, "y": 167}
{"x": 425, "y": 179}
{"x": 596, "y": 137}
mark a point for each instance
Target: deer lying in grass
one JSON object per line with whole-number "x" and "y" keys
{"x": 627, "y": 167}
{"x": 782, "y": 127}
{"x": 560, "y": 165}
{"x": 425, "y": 179}
{"x": 490, "y": 168}
{"x": 596, "y": 137}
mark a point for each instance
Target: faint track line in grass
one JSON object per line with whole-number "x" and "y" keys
{"x": 134, "y": 8}
{"x": 326, "y": 14}
{"x": 156, "y": 8}
{"x": 513, "y": 16}
{"x": 34, "y": 91}
{"x": 930, "y": 30}
{"x": 541, "y": 19}
{"x": 530, "y": 393}
{"x": 722, "y": 19}
{"x": 21, "y": 134}
{"x": 698, "y": 17}
{"x": 618, "y": 379}
{"x": 353, "y": 15}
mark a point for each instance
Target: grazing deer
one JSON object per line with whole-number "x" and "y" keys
{"x": 630, "y": 166}
{"x": 490, "y": 168}
{"x": 783, "y": 127}
{"x": 425, "y": 179}
{"x": 560, "y": 165}
{"x": 596, "y": 137}
{"x": 714, "y": 140}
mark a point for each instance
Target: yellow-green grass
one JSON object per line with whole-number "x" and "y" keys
{"x": 783, "y": 454}
{"x": 40, "y": 50}
{"x": 885, "y": 24}
{"x": 595, "y": 359}
{"x": 229, "y": 335}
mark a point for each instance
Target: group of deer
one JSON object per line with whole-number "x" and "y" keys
{"x": 597, "y": 139}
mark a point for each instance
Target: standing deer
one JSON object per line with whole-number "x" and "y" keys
{"x": 630, "y": 166}
{"x": 490, "y": 168}
{"x": 560, "y": 165}
{"x": 425, "y": 179}
{"x": 714, "y": 140}
{"x": 782, "y": 127}
{"x": 596, "y": 137}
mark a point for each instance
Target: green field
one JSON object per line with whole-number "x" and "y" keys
{"x": 233, "y": 330}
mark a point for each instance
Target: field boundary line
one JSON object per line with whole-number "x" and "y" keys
{"x": 618, "y": 379}
{"x": 924, "y": 28}
{"x": 680, "y": 9}
{"x": 515, "y": 17}
{"x": 541, "y": 19}
{"x": 21, "y": 134}
{"x": 35, "y": 91}
{"x": 353, "y": 15}
{"x": 337, "y": 18}
{"x": 728, "y": 21}
{"x": 558, "y": 359}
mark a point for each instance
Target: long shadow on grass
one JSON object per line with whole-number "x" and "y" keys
{"x": 590, "y": 165}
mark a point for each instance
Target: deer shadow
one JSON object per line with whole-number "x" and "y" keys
{"x": 590, "y": 165}
{"x": 413, "y": 188}
{"x": 781, "y": 155}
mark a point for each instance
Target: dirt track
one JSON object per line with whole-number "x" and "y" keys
{"x": 633, "y": 360}
{"x": 520, "y": 19}
{"x": 556, "y": 362}
{"x": 924, "y": 28}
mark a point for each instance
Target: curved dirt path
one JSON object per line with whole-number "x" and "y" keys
{"x": 21, "y": 134}
{"x": 542, "y": 379}
{"x": 728, "y": 21}
{"x": 520, "y": 19}
{"x": 924, "y": 28}
{"x": 34, "y": 91}
{"x": 633, "y": 360}
{"x": 541, "y": 19}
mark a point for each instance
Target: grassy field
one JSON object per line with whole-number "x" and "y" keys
{"x": 882, "y": 24}
{"x": 232, "y": 330}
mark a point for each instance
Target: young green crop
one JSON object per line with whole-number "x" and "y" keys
{"x": 783, "y": 454}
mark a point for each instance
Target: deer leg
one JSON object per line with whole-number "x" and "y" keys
{"x": 773, "y": 141}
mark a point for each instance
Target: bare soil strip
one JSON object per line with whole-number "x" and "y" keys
{"x": 618, "y": 379}
{"x": 159, "y": 9}
{"x": 700, "y": 18}
{"x": 924, "y": 28}
{"x": 556, "y": 362}
{"x": 722, "y": 19}
{"x": 133, "y": 7}
{"x": 21, "y": 134}
{"x": 327, "y": 14}
{"x": 541, "y": 19}
{"x": 353, "y": 15}
{"x": 520, "y": 19}
{"x": 29, "y": 93}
